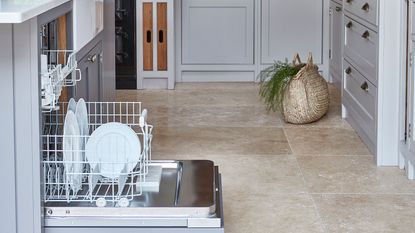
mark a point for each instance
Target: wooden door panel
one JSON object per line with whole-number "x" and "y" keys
{"x": 162, "y": 36}
{"x": 148, "y": 36}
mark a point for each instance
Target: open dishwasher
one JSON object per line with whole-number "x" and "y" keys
{"x": 154, "y": 196}
{"x": 86, "y": 194}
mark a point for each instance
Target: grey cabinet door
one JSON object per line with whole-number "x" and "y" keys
{"x": 218, "y": 32}
{"x": 291, "y": 26}
{"x": 90, "y": 67}
{"x": 336, "y": 38}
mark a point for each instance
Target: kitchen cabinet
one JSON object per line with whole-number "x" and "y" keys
{"x": 289, "y": 27}
{"x": 90, "y": 67}
{"x": 217, "y": 32}
{"x": 407, "y": 147}
{"x": 335, "y": 47}
{"x": 88, "y": 21}
{"x": 411, "y": 100}
{"x": 155, "y": 42}
{"x": 360, "y": 89}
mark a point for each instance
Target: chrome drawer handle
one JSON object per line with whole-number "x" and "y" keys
{"x": 348, "y": 70}
{"x": 366, "y": 34}
{"x": 366, "y": 7}
{"x": 365, "y": 87}
{"x": 338, "y": 9}
{"x": 92, "y": 58}
{"x": 349, "y": 24}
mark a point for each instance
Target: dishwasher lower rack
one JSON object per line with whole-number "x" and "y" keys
{"x": 76, "y": 180}
{"x": 189, "y": 199}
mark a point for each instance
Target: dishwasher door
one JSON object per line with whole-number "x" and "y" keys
{"x": 188, "y": 199}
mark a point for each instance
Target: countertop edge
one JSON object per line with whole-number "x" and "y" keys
{"x": 22, "y": 16}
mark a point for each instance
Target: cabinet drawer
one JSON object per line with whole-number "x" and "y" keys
{"x": 365, "y": 9}
{"x": 361, "y": 46}
{"x": 361, "y": 97}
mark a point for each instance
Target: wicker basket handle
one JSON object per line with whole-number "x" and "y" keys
{"x": 310, "y": 61}
{"x": 296, "y": 60}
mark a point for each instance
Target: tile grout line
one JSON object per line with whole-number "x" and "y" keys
{"x": 322, "y": 225}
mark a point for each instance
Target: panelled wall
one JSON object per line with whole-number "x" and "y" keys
{"x": 232, "y": 40}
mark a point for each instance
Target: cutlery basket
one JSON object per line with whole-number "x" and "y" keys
{"x": 64, "y": 183}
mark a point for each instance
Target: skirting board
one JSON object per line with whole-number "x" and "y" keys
{"x": 155, "y": 83}
{"x": 218, "y": 76}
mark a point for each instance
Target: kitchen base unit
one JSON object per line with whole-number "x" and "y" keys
{"x": 187, "y": 199}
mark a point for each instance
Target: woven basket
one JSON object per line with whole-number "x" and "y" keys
{"x": 306, "y": 97}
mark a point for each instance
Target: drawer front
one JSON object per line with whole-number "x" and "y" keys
{"x": 362, "y": 96}
{"x": 365, "y": 9}
{"x": 361, "y": 46}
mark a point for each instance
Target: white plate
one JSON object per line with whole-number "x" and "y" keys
{"x": 71, "y": 105}
{"x": 111, "y": 148}
{"x": 72, "y": 158}
{"x": 82, "y": 118}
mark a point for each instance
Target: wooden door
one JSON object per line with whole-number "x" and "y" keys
{"x": 162, "y": 36}
{"x": 148, "y": 36}
{"x": 62, "y": 45}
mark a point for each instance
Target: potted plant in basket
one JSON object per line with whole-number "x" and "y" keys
{"x": 295, "y": 89}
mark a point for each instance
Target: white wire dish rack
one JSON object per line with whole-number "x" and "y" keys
{"x": 94, "y": 187}
{"x": 57, "y": 71}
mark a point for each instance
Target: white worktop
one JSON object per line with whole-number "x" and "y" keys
{"x": 18, "y": 11}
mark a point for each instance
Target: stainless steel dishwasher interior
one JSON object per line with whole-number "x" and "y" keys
{"x": 187, "y": 189}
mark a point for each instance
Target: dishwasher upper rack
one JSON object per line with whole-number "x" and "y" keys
{"x": 57, "y": 69}
{"x": 59, "y": 176}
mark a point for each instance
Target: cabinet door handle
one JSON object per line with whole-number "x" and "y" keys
{"x": 148, "y": 36}
{"x": 349, "y": 24}
{"x": 365, "y": 87}
{"x": 366, "y": 34}
{"x": 366, "y": 7}
{"x": 161, "y": 36}
{"x": 338, "y": 9}
{"x": 92, "y": 58}
{"x": 348, "y": 70}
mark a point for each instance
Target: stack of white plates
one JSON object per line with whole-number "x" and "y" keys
{"x": 76, "y": 132}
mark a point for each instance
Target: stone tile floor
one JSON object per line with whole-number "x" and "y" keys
{"x": 279, "y": 177}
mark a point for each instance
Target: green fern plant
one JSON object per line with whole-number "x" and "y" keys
{"x": 273, "y": 81}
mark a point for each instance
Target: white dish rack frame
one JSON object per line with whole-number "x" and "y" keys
{"x": 95, "y": 188}
{"x": 58, "y": 70}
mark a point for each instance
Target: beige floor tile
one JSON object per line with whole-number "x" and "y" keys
{"x": 332, "y": 119}
{"x": 267, "y": 178}
{"x": 207, "y": 97}
{"x": 212, "y": 116}
{"x": 367, "y": 213}
{"x": 216, "y": 140}
{"x": 257, "y": 174}
{"x": 355, "y": 174}
{"x": 335, "y": 96}
{"x": 271, "y": 214}
{"x": 325, "y": 141}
